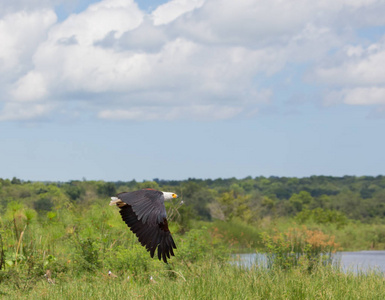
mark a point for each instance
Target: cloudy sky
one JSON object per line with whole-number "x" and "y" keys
{"x": 124, "y": 89}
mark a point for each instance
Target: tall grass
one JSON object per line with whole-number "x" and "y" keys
{"x": 239, "y": 236}
{"x": 211, "y": 280}
{"x": 77, "y": 244}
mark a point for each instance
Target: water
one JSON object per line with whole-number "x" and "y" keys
{"x": 361, "y": 261}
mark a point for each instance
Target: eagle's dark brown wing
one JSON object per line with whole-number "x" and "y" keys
{"x": 147, "y": 204}
{"x": 145, "y": 215}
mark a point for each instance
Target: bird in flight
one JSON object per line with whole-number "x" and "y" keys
{"x": 145, "y": 214}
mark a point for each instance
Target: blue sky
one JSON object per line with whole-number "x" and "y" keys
{"x": 122, "y": 90}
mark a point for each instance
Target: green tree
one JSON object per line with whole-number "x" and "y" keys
{"x": 43, "y": 204}
{"x": 106, "y": 189}
{"x": 301, "y": 200}
{"x": 15, "y": 180}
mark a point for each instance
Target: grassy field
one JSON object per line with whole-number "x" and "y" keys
{"x": 211, "y": 280}
{"x": 79, "y": 247}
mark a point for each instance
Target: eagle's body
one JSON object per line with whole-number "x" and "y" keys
{"x": 145, "y": 214}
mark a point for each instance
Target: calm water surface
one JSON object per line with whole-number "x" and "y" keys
{"x": 361, "y": 261}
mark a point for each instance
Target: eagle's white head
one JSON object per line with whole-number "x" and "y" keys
{"x": 169, "y": 196}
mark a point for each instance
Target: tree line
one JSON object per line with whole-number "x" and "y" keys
{"x": 323, "y": 199}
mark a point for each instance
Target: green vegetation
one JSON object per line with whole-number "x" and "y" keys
{"x": 68, "y": 230}
{"x": 213, "y": 280}
{"x": 299, "y": 247}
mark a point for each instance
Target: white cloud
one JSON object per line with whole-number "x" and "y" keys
{"x": 358, "y": 67}
{"x": 25, "y": 112}
{"x": 257, "y": 23}
{"x": 68, "y": 61}
{"x": 197, "y": 59}
{"x": 357, "y": 96}
{"x": 117, "y": 16}
{"x": 10, "y": 7}
{"x": 21, "y": 32}
{"x": 359, "y": 79}
{"x": 169, "y": 11}
{"x": 30, "y": 87}
{"x": 365, "y": 96}
{"x": 196, "y": 112}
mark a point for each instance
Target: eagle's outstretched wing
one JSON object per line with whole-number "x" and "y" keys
{"x": 145, "y": 214}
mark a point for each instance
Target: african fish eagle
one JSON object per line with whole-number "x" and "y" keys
{"x": 145, "y": 214}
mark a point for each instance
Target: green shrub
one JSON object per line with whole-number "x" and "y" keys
{"x": 87, "y": 254}
{"x": 322, "y": 216}
{"x": 299, "y": 247}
